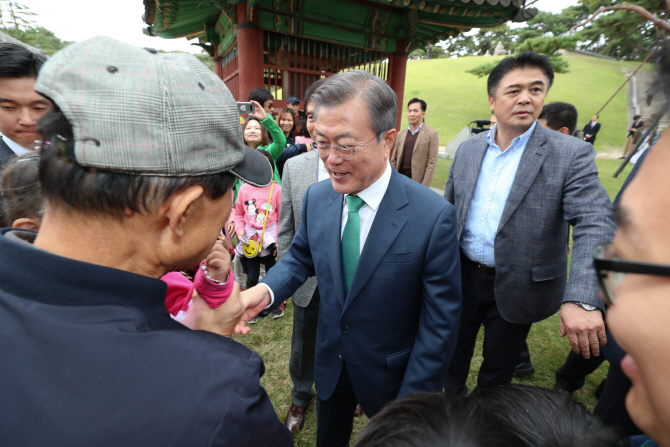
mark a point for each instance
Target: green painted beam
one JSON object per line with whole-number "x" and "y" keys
{"x": 371, "y": 24}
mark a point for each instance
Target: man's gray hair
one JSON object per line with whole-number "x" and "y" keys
{"x": 375, "y": 92}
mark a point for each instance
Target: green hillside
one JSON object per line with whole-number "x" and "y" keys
{"x": 455, "y": 98}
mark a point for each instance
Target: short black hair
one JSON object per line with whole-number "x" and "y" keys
{"x": 311, "y": 89}
{"x": 260, "y": 95}
{"x": 94, "y": 191}
{"x": 545, "y": 418}
{"x": 435, "y": 420}
{"x": 19, "y": 62}
{"x": 636, "y": 117}
{"x": 423, "y": 103}
{"x": 560, "y": 114}
{"x": 528, "y": 59}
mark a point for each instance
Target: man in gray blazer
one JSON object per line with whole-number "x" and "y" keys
{"x": 516, "y": 190}
{"x": 299, "y": 174}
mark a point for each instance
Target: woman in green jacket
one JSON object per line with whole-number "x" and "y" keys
{"x": 255, "y": 131}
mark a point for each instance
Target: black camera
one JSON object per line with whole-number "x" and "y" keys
{"x": 480, "y": 126}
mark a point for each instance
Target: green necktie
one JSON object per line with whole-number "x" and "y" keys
{"x": 351, "y": 241}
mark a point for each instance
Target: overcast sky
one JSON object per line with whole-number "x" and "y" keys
{"x": 76, "y": 20}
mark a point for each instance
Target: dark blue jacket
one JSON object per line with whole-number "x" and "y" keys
{"x": 90, "y": 357}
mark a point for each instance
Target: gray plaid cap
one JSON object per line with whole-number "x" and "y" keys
{"x": 138, "y": 111}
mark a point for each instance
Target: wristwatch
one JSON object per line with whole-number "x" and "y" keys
{"x": 583, "y": 305}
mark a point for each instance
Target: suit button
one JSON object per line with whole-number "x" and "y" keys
{"x": 345, "y": 329}
{"x": 340, "y": 357}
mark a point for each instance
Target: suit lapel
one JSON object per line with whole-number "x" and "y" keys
{"x": 333, "y": 215}
{"x": 385, "y": 228}
{"x": 5, "y": 152}
{"x": 419, "y": 137}
{"x": 531, "y": 160}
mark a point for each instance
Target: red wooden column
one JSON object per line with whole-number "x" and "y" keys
{"x": 249, "y": 52}
{"x": 218, "y": 69}
{"x": 398, "y": 69}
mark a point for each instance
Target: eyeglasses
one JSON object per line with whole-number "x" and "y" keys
{"x": 612, "y": 270}
{"x": 342, "y": 151}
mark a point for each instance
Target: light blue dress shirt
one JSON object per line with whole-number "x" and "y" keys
{"x": 488, "y": 201}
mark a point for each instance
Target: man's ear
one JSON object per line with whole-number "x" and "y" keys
{"x": 564, "y": 130}
{"x": 26, "y": 223}
{"x": 179, "y": 207}
{"x": 492, "y": 101}
{"x": 389, "y": 141}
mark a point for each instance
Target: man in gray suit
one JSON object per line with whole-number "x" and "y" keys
{"x": 516, "y": 190}
{"x": 299, "y": 174}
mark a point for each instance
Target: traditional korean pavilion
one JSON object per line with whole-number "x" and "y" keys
{"x": 285, "y": 45}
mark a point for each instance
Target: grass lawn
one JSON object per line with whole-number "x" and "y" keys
{"x": 272, "y": 340}
{"x": 455, "y": 98}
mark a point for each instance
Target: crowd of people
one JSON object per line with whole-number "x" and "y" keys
{"x": 144, "y": 225}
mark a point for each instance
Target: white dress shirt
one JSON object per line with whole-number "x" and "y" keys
{"x": 323, "y": 172}
{"x": 16, "y": 147}
{"x": 372, "y": 195}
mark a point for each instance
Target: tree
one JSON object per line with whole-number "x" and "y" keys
{"x": 548, "y": 46}
{"x": 547, "y": 24}
{"x": 488, "y": 38}
{"x": 460, "y": 45}
{"x": 206, "y": 59}
{"x": 16, "y": 20}
{"x": 623, "y": 34}
{"x": 17, "y": 15}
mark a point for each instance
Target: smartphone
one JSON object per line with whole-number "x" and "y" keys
{"x": 245, "y": 107}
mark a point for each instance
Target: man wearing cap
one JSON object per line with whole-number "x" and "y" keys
{"x": 141, "y": 151}
{"x": 294, "y": 103}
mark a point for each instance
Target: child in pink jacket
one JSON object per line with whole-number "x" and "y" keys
{"x": 252, "y": 210}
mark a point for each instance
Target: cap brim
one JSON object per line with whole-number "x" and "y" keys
{"x": 254, "y": 169}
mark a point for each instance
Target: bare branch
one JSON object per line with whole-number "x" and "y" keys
{"x": 638, "y": 9}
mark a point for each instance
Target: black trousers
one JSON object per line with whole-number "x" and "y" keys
{"x": 502, "y": 340}
{"x": 524, "y": 355}
{"x": 303, "y": 345}
{"x": 572, "y": 375}
{"x": 611, "y": 407}
{"x": 335, "y": 415}
{"x": 252, "y": 267}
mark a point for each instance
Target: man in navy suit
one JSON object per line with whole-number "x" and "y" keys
{"x": 387, "y": 321}
{"x": 591, "y": 130}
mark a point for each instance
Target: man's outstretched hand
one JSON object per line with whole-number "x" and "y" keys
{"x": 222, "y": 320}
{"x": 254, "y": 300}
